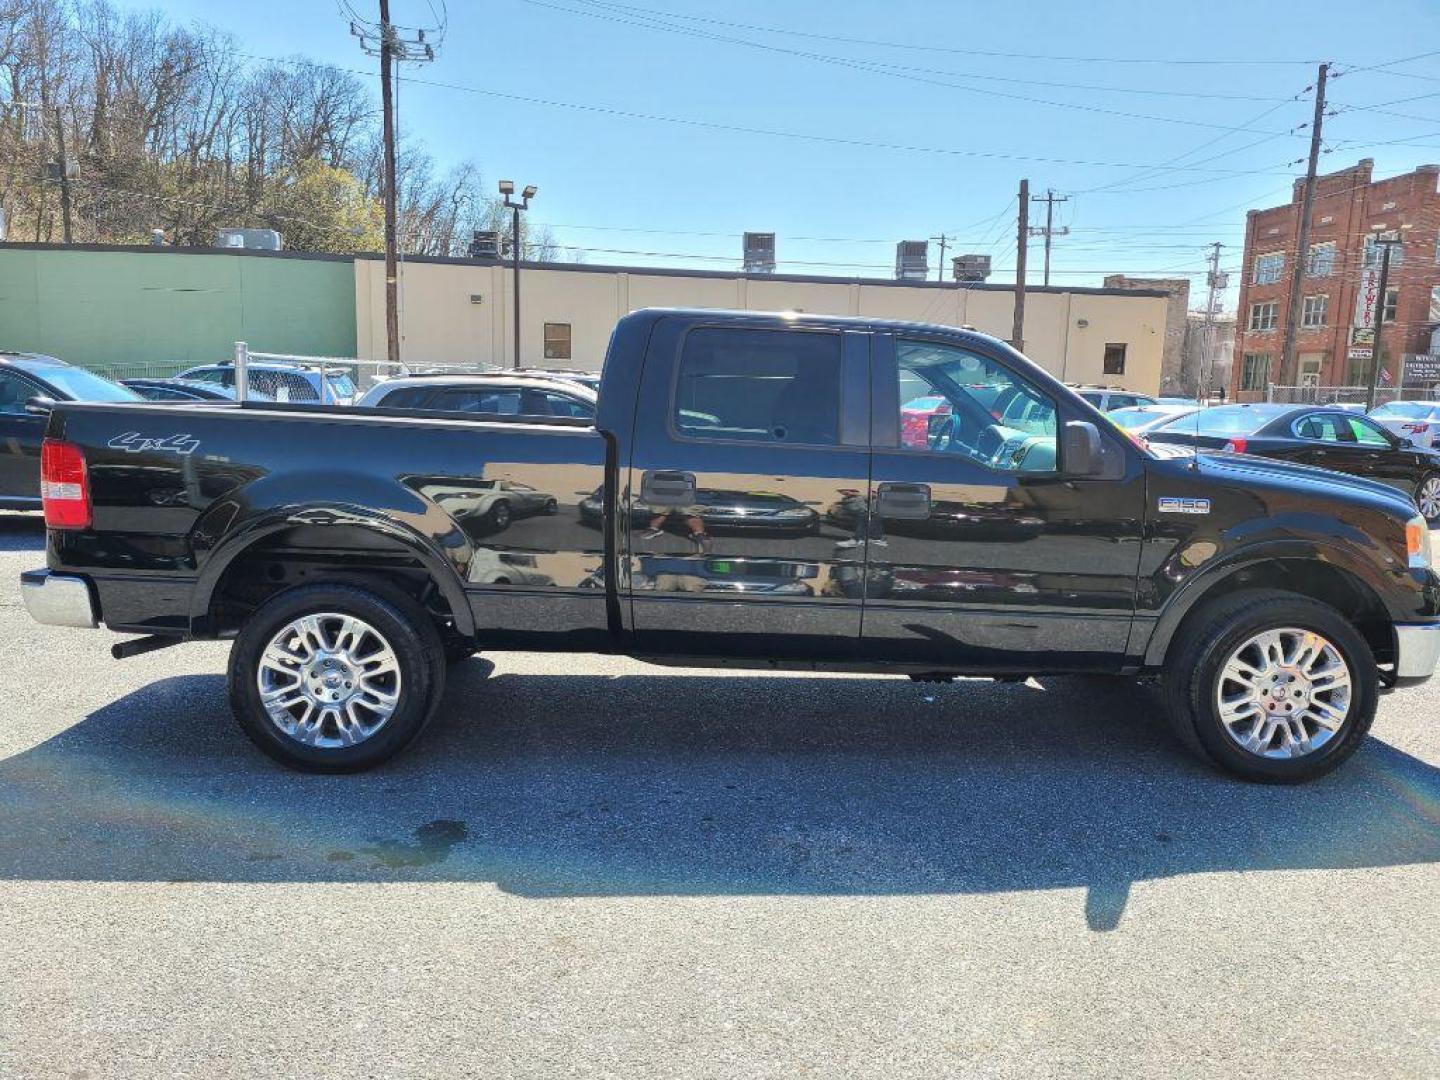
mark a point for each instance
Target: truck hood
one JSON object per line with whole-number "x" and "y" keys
{"x": 1239, "y": 468}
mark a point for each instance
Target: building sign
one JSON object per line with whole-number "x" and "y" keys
{"x": 1359, "y": 352}
{"x": 1367, "y": 298}
{"x": 1422, "y": 369}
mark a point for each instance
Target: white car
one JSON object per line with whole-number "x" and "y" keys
{"x": 1418, "y": 421}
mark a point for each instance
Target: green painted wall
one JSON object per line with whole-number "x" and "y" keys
{"x": 153, "y": 309}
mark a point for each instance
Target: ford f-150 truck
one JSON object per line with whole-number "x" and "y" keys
{"x": 744, "y": 496}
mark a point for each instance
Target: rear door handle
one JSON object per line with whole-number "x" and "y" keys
{"x": 666, "y": 488}
{"x": 910, "y": 502}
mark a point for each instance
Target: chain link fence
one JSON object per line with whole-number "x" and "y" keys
{"x": 1308, "y": 394}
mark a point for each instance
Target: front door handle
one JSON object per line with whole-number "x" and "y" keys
{"x": 664, "y": 487}
{"x": 910, "y": 502}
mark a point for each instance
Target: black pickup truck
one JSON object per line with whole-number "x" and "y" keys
{"x": 752, "y": 492}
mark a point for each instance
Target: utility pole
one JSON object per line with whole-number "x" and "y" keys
{"x": 940, "y": 270}
{"x": 1022, "y": 244}
{"x": 383, "y": 40}
{"x": 1381, "y": 287}
{"x": 1302, "y": 239}
{"x": 1048, "y": 229}
{"x": 64, "y": 173}
{"x": 1217, "y": 281}
{"x": 387, "y": 106}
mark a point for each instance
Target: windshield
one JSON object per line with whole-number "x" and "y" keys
{"x": 1409, "y": 410}
{"x": 82, "y": 385}
{"x": 341, "y": 384}
{"x": 1225, "y": 420}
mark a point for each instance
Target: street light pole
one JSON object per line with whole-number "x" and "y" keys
{"x": 507, "y": 188}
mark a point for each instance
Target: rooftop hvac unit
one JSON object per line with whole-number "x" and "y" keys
{"x": 912, "y": 260}
{"x": 971, "y": 267}
{"x": 759, "y": 253}
{"x": 256, "y": 239}
{"x": 485, "y": 245}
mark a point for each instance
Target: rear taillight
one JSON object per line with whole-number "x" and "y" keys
{"x": 1236, "y": 446}
{"x": 64, "y": 485}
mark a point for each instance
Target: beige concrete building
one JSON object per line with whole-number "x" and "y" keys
{"x": 1172, "y": 362}
{"x": 459, "y": 311}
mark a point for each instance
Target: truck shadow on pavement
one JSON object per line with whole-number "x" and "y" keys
{"x": 682, "y": 784}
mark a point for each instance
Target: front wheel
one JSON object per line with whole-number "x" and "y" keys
{"x": 1272, "y": 686}
{"x": 335, "y": 678}
{"x": 1427, "y": 497}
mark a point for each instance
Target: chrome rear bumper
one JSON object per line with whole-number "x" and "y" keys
{"x": 58, "y": 599}
{"x": 1417, "y": 650}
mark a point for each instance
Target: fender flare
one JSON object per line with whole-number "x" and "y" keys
{"x": 1202, "y": 585}
{"x": 442, "y": 572}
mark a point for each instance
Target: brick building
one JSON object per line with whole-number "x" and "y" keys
{"x": 1333, "y": 347}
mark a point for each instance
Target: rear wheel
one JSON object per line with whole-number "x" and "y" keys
{"x": 500, "y": 515}
{"x": 1427, "y": 497}
{"x": 1272, "y": 686}
{"x": 335, "y": 678}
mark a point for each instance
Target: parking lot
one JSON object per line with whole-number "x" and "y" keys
{"x": 591, "y": 867}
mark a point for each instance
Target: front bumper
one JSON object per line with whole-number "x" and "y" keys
{"x": 1417, "y": 650}
{"x": 58, "y": 599}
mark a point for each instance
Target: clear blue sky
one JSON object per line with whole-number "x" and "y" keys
{"x": 603, "y": 177}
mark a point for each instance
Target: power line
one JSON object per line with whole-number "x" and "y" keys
{"x": 768, "y": 132}
{"x": 889, "y": 70}
{"x": 964, "y": 52}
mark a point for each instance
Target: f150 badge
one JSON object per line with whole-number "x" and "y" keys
{"x": 134, "y": 443}
{"x": 1174, "y": 505}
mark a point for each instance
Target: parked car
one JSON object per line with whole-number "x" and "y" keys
{"x": 1142, "y": 419}
{"x": 1274, "y": 600}
{"x": 1418, "y": 421}
{"x": 1110, "y": 398}
{"x": 499, "y": 395}
{"x": 30, "y": 383}
{"x": 589, "y": 379}
{"x": 1322, "y": 436}
{"x": 280, "y": 381}
{"x": 185, "y": 390}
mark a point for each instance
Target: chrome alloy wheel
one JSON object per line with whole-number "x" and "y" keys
{"x": 1284, "y": 693}
{"x": 329, "y": 680}
{"x": 1428, "y": 498}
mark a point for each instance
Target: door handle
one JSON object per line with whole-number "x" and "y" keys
{"x": 666, "y": 488}
{"x": 910, "y": 502}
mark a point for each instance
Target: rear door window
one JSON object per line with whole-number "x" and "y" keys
{"x": 503, "y": 402}
{"x": 1324, "y": 427}
{"x": 772, "y": 386}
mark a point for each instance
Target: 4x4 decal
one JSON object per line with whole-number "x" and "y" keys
{"x": 135, "y": 443}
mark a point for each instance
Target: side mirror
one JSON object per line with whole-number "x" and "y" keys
{"x": 40, "y": 405}
{"x": 1081, "y": 449}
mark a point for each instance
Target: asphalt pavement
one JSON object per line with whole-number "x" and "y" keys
{"x": 593, "y": 867}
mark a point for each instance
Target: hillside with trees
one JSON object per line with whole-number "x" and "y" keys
{"x": 172, "y": 127}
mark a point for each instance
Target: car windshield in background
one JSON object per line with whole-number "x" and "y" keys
{"x": 341, "y": 384}
{"x": 1226, "y": 420}
{"x": 85, "y": 385}
{"x": 1407, "y": 410}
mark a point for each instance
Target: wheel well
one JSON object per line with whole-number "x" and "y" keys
{"x": 1318, "y": 580}
{"x": 308, "y": 554}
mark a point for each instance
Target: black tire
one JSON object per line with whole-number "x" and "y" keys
{"x": 552, "y": 507}
{"x": 1419, "y": 488}
{"x": 1207, "y": 639}
{"x": 402, "y": 624}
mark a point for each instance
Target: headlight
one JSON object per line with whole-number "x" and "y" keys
{"x": 1417, "y": 543}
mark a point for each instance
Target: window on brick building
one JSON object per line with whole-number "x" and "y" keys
{"x": 1255, "y": 371}
{"x": 1262, "y": 316}
{"x": 1435, "y": 304}
{"x": 1392, "y": 304}
{"x": 1269, "y": 267}
{"x": 1322, "y": 259}
{"x": 1315, "y": 310}
{"x": 1372, "y": 249}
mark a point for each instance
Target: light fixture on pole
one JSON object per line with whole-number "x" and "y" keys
{"x": 507, "y": 188}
